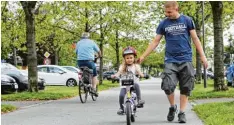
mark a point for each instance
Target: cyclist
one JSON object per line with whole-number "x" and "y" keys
{"x": 129, "y": 62}
{"x": 85, "y": 50}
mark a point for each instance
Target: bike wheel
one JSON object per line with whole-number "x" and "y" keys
{"x": 83, "y": 93}
{"x": 128, "y": 113}
{"x": 93, "y": 96}
{"x": 132, "y": 118}
{"x": 133, "y": 114}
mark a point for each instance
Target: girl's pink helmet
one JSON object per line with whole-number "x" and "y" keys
{"x": 129, "y": 50}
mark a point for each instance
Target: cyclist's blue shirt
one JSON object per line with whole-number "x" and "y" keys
{"x": 177, "y": 35}
{"x": 85, "y": 49}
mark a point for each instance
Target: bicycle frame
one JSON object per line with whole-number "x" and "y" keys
{"x": 130, "y": 98}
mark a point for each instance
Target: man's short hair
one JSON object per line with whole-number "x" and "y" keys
{"x": 85, "y": 35}
{"x": 169, "y": 4}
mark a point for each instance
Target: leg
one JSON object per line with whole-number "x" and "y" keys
{"x": 186, "y": 80}
{"x": 171, "y": 99}
{"x": 121, "y": 101}
{"x": 183, "y": 102}
{"x": 95, "y": 82}
{"x": 169, "y": 81}
{"x": 138, "y": 91}
{"x": 121, "y": 97}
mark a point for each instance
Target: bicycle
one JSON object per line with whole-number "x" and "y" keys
{"x": 85, "y": 85}
{"x": 130, "y": 105}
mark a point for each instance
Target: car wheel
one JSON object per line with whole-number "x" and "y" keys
{"x": 71, "y": 82}
{"x": 21, "y": 86}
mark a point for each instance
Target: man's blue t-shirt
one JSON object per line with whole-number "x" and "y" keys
{"x": 178, "y": 41}
{"x": 85, "y": 49}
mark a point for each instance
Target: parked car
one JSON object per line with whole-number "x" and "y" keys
{"x": 74, "y": 69}
{"x": 209, "y": 74}
{"x": 57, "y": 75}
{"x": 8, "y": 84}
{"x": 107, "y": 74}
{"x": 230, "y": 75}
{"x": 146, "y": 76}
{"x": 20, "y": 77}
{"x": 40, "y": 81}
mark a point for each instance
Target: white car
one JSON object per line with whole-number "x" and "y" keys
{"x": 72, "y": 68}
{"x": 57, "y": 75}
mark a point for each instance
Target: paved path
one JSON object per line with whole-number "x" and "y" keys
{"x": 102, "y": 112}
{"x": 202, "y": 101}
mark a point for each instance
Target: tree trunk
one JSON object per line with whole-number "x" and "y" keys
{"x": 56, "y": 56}
{"x": 101, "y": 49}
{"x": 150, "y": 68}
{"x": 117, "y": 49}
{"x": 198, "y": 61}
{"x": 14, "y": 56}
{"x": 31, "y": 46}
{"x": 198, "y": 31}
{"x": 101, "y": 60}
{"x": 217, "y": 9}
{"x": 87, "y": 17}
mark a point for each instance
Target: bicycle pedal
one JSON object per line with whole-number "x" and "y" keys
{"x": 140, "y": 106}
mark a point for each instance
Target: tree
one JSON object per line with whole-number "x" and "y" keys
{"x": 29, "y": 10}
{"x": 217, "y": 11}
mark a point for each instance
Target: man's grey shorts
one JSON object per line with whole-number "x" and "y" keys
{"x": 178, "y": 72}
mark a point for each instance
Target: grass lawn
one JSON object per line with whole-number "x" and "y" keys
{"x": 200, "y": 92}
{"x": 7, "y": 108}
{"x": 216, "y": 113}
{"x": 52, "y": 93}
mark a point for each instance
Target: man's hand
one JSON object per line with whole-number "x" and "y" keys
{"x": 140, "y": 60}
{"x": 204, "y": 61}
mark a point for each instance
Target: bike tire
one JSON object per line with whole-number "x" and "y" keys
{"x": 83, "y": 93}
{"x": 93, "y": 96}
{"x": 128, "y": 113}
{"x": 132, "y": 118}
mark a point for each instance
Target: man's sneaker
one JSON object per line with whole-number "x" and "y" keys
{"x": 182, "y": 118}
{"x": 120, "y": 112}
{"x": 140, "y": 104}
{"x": 171, "y": 114}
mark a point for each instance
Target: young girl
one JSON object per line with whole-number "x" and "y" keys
{"x": 129, "y": 62}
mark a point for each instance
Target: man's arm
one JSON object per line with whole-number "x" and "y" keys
{"x": 198, "y": 46}
{"x": 97, "y": 49}
{"x": 151, "y": 47}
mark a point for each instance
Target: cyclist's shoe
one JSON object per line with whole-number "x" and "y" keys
{"x": 94, "y": 92}
{"x": 140, "y": 104}
{"x": 120, "y": 112}
{"x": 182, "y": 118}
{"x": 171, "y": 114}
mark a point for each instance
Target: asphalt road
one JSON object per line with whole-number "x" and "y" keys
{"x": 102, "y": 112}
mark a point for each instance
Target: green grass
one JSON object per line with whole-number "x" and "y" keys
{"x": 200, "y": 92}
{"x": 7, "y": 108}
{"x": 216, "y": 113}
{"x": 52, "y": 93}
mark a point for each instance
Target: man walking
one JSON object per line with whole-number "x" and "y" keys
{"x": 178, "y": 29}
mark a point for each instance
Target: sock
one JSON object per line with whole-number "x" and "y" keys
{"x": 181, "y": 112}
{"x": 173, "y": 106}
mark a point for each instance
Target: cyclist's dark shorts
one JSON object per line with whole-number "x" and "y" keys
{"x": 173, "y": 72}
{"x": 90, "y": 64}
